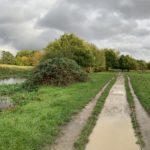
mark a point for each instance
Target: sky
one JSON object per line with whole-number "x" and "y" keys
{"x": 120, "y": 24}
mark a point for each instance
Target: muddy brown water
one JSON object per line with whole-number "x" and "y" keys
{"x": 71, "y": 131}
{"x": 113, "y": 130}
{"x": 143, "y": 119}
{"x": 11, "y": 81}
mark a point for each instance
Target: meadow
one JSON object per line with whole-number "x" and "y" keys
{"x": 140, "y": 82}
{"x": 13, "y": 71}
{"x": 38, "y": 115}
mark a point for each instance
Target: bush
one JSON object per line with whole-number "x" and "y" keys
{"x": 57, "y": 71}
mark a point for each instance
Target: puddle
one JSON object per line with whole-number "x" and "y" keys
{"x": 5, "y": 103}
{"x": 11, "y": 81}
{"x": 113, "y": 130}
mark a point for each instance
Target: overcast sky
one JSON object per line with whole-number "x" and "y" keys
{"x": 120, "y": 24}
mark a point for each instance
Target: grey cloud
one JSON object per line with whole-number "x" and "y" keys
{"x": 121, "y": 24}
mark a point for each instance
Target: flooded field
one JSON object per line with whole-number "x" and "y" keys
{"x": 5, "y": 101}
{"x": 11, "y": 81}
{"x": 113, "y": 130}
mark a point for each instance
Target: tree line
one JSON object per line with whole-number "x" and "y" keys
{"x": 22, "y": 58}
{"x": 87, "y": 55}
{"x": 124, "y": 62}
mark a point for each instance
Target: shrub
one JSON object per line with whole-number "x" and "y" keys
{"x": 57, "y": 71}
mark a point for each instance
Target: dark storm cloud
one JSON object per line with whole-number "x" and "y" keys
{"x": 121, "y": 24}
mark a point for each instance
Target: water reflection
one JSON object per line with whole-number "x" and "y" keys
{"x": 11, "y": 81}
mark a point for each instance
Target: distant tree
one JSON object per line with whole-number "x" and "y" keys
{"x": 37, "y": 55}
{"x": 7, "y": 58}
{"x": 27, "y": 53}
{"x": 148, "y": 65}
{"x": 142, "y": 65}
{"x": 99, "y": 61}
{"x": 124, "y": 62}
{"x": 28, "y": 57}
{"x": 112, "y": 58}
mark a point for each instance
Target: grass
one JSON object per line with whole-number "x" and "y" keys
{"x": 15, "y": 66}
{"x": 141, "y": 85}
{"x": 83, "y": 138}
{"x": 38, "y": 115}
{"x": 133, "y": 113}
{"x": 14, "y": 72}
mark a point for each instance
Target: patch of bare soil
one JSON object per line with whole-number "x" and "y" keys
{"x": 113, "y": 130}
{"x": 71, "y": 131}
{"x": 143, "y": 119}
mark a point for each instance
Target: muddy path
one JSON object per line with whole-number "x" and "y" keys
{"x": 113, "y": 130}
{"x": 71, "y": 131}
{"x": 143, "y": 119}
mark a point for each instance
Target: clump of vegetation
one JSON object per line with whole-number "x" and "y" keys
{"x": 57, "y": 71}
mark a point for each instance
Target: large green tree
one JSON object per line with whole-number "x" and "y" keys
{"x": 70, "y": 46}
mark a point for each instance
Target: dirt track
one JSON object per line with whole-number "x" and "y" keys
{"x": 114, "y": 130}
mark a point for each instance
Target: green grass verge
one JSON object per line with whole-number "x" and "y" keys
{"x": 14, "y": 72}
{"x": 83, "y": 138}
{"x": 133, "y": 114}
{"x": 141, "y": 85}
{"x": 37, "y": 118}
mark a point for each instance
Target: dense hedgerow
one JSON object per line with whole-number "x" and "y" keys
{"x": 57, "y": 71}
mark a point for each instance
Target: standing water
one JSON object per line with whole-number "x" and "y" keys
{"x": 6, "y": 102}
{"x": 11, "y": 81}
{"x": 113, "y": 130}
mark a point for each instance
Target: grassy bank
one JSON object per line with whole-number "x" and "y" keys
{"x": 83, "y": 138}
{"x": 38, "y": 116}
{"x": 15, "y": 66}
{"x": 141, "y": 82}
{"x": 14, "y": 72}
{"x": 133, "y": 113}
